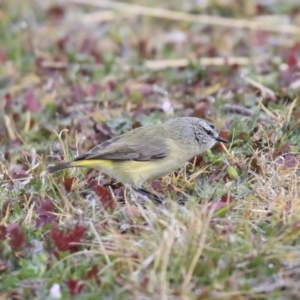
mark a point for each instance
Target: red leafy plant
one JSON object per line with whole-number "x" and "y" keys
{"x": 17, "y": 238}
{"x": 45, "y": 213}
{"x": 67, "y": 240}
{"x": 30, "y": 101}
{"x": 105, "y": 197}
{"x": 76, "y": 286}
{"x": 68, "y": 183}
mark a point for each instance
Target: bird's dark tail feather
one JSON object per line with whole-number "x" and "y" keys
{"x": 59, "y": 167}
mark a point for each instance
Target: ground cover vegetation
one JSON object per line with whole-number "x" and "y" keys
{"x": 76, "y": 73}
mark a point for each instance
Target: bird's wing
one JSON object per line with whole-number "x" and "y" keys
{"x": 117, "y": 149}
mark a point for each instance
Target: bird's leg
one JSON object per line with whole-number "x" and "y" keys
{"x": 155, "y": 198}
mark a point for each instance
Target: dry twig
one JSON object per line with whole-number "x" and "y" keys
{"x": 201, "y": 19}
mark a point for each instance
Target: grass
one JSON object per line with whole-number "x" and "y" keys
{"x": 71, "y": 78}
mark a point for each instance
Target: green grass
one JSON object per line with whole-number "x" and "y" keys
{"x": 66, "y": 85}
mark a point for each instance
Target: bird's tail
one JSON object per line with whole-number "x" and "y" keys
{"x": 81, "y": 162}
{"x": 59, "y": 167}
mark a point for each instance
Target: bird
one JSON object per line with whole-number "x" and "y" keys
{"x": 148, "y": 152}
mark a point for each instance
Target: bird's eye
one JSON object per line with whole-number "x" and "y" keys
{"x": 209, "y": 132}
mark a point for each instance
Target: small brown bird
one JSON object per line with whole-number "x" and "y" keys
{"x": 149, "y": 152}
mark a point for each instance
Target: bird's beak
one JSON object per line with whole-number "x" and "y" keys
{"x": 219, "y": 139}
